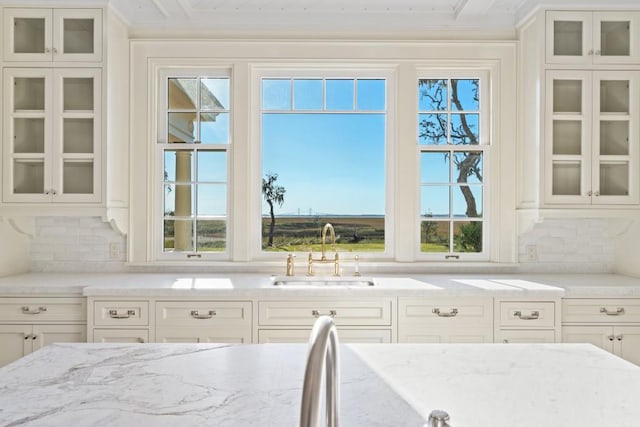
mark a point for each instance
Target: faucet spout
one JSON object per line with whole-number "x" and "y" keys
{"x": 322, "y": 357}
{"x": 327, "y": 227}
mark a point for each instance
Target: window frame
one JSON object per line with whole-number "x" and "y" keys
{"x": 325, "y": 70}
{"x": 161, "y": 146}
{"x": 485, "y": 124}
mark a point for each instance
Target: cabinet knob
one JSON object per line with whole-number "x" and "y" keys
{"x": 590, "y": 52}
{"x": 26, "y": 337}
{"x": 610, "y": 337}
{"x": 589, "y": 193}
{"x": 619, "y": 337}
{"x": 47, "y": 50}
{"x": 34, "y": 337}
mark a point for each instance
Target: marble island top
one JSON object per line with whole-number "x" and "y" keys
{"x": 260, "y": 385}
{"x": 260, "y": 285}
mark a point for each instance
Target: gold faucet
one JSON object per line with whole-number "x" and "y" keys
{"x": 323, "y": 257}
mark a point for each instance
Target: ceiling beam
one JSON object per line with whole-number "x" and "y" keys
{"x": 472, "y": 7}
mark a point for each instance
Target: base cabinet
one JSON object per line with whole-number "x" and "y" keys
{"x": 17, "y": 341}
{"x": 623, "y": 341}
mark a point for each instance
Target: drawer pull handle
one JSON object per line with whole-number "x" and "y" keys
{"x": 316, "y": 313}
{"x": 533, "y": 316}
{"x": 114, "y": 314}
{"x": 27, "y": 310}
{"x": 618, "y": 312}
{"x": 208, "y": 315}
{"x": 452, "y": 313}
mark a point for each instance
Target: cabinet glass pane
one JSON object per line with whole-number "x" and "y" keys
{"x": 614, "y": 179}
{"x": 28, "y": 93}
{"x": 78, "y": 35}
{"x": 566, "y": 179}
{"x": 615, "y": 37}
{"x": 77, "y": 177}
{"x": 614, "y": 96}
{"x": 78, "y": 94}
{"x": 567, "y": 137}
{"x": 567, "y": 96}
{"x": 78, "y": 136}
{"x": 28, "y": 135}
{"x": 28, "y": 177}
{"x": 614, "y": 138}
{"x": 28, "y": 35}
{"x": 567, "y": 38}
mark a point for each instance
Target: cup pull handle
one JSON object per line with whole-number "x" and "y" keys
{"x": 533, "y": 316}
{"x": 114, "y": 314}
{"x": 208, "y": 315}
{"x": 618, "y": 312}
{"x": 452, "y": 313}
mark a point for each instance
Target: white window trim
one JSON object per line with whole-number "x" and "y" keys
{"x": 157, "y": 234}
{"x": 328, "y": 71}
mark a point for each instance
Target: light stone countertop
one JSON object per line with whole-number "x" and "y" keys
{"x": 479, "y": 385}
{"x": 238, "y": 285}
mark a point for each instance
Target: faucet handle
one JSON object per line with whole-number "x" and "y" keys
{"x": 438, "y": 418}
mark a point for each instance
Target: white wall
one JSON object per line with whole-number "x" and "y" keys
{"x": 14, "y": 250}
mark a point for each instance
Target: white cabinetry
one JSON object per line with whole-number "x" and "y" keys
{"x": 27, "y": 324}
{"x": 358, "y": 320}
{"x": 612, "y": 324}
{"x": 603, "y": 37}
{"x": 52, "y": 35}
{"x": 203, "y": 321}
{"x": 438, "y": 320}
{"x": 52, "y": 135}
{"x": 119, "y": 321}
{"x": 592, "y": 137}
{"x": 528, "y": 321}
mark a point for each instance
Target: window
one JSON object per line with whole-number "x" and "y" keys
{"x": 194, "y": 141}
{"x": 324, "y": 142}
{"x": 452, "y": 144}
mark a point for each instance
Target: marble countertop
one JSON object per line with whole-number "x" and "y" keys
{"x": 260, "y": 385}
{"x": 238, "y": 285}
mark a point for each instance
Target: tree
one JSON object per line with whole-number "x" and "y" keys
{"x": 272, "y": 194}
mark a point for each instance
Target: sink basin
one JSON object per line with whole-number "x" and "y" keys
{"x": 322, "y": 281}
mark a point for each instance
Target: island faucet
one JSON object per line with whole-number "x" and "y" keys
{"x": 322, "y": 357}
{"x": 323, "y": 257}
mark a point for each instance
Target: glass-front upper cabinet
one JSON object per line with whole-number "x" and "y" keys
{"x": 52, "y": 133}
{"x": 592, "y": 137}
{"x": 592, "y": 37}
{"x": 52, "y": 34}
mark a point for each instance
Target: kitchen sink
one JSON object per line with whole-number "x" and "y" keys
{"x": 322, "y": 281}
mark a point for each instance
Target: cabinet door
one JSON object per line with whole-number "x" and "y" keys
{"x": 600, "y": 336}
{"x": 569, "y": 37}
{"x": 15, "y": 342}
{"x": 49, "y": 334}
{"x": 616, "y": 95}
{"x": 28, "y": 34}
{"x": 77, "y": 116}
{"x": 77, "y": 35}
{"x": 27, "y": 135}
{"x": 616, "y": 37}
{"x": 567, "y": 157}
{"x": 627, "y": 343}
{"x": 121, "y": 335}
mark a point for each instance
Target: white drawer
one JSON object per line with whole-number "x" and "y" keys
{"x": 527, "y": 314}
{"x": 445, "y": 312}
{"x": 121, "y": 313}
{"x": 121, "y": 335}
{"x": 203, "y": 313}
{"x": 382, "y": 336}
{"x": 43, "y": 310}
{"x": 212, "y": 334}
{"x": 528, "y": 336}
{"x": 601, "y": 310}
{"x": 345, "y": 313}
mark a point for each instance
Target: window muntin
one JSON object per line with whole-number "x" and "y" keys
{"x": 325, "y": 140}
{"x": 194, "y": 147}
{"x": 452, "y": 150}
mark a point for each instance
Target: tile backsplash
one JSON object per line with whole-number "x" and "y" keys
{"x": 568, "y": 246}
{"x": 76, "y": 244}
{"x": 87, "y": 244}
